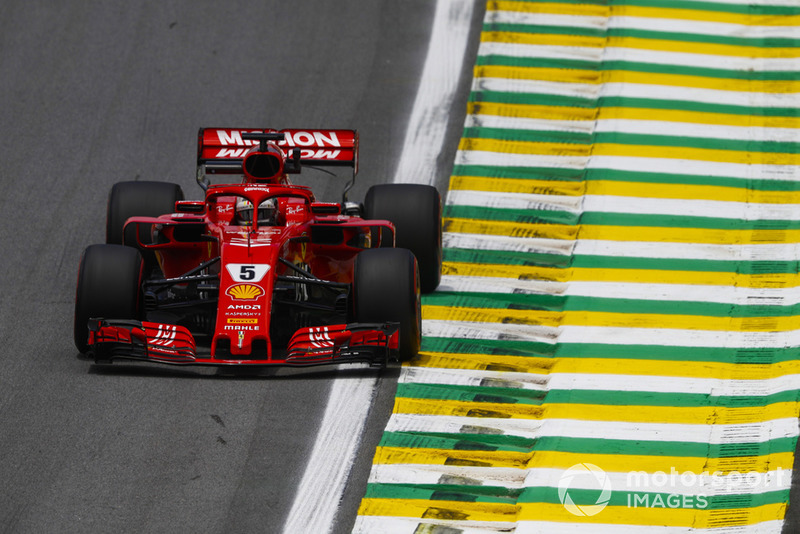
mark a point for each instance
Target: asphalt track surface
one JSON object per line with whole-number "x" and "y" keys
{"x": 97, "y": 92}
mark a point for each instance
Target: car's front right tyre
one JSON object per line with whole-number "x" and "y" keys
{"x": 109, "y": 287}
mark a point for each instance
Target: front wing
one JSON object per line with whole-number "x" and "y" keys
{"x": 374, "y": 344}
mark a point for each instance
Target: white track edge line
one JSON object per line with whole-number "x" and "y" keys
{"x": 321, "y": 489}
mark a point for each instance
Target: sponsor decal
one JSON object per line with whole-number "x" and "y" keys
{"x": 585, "y": 489}
{"x": 297, "y": 138}
{"x": 165, "y": 335}
{"x": 294, "y": 210}
{"x": 317, "y": 143}
{"x": 234, "y": 137}
{"x": 231, "y": 153}
{"x": 292, "y": 139}
{"x": 245, "y": 292}
{"x": 242, "y": 328}
{"x": 247, "y": 272}
{"x": 315, "y": 138}
{"x": 244, "y": 306}
{"x": 242, "y": 321}
{"x": 243, "y": 310}
{"x": 319, "y": 337}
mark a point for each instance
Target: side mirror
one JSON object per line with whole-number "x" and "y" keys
{"x": 292, "y": 164}
{"x": 190, "y": 206}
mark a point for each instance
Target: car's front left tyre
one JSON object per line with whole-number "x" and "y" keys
{"x": 386, "y": 289}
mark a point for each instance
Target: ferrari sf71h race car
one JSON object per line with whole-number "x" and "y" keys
{"x": 260, "y": 272}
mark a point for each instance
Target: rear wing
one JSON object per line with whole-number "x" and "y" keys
{"x": 222, "y": 150}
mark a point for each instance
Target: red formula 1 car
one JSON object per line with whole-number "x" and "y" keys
{"x": 260, "y": 272}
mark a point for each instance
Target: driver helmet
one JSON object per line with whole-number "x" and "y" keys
{"x": 267, "y": 212}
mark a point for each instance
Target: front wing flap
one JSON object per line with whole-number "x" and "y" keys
{"x": 371, "y": 343}
{"x": 375, "y": 344}
{"x": 157, "y": 342}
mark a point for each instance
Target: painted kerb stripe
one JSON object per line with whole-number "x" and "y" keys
{"x": 616, "y": 340}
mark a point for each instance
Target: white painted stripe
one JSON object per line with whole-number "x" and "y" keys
{"x": 630, "y": 163}
{"x": 706, "y": 61}
{"x": 473, "y": 377}
{"x": 409, "y": 525}
{"x": 483, "y": 120}
{"x": 507, "y": 243}
{"x": 436, "y": 93}
{"x": 606, "y": 335}
{"x": 696, "y": 27}
{"x": 589, "y": 91}
{"x": 559, "y": 381}
{"x": 697, "y": 130}
{"x": 647, "y": 127}
{"x": 634, "y": 126}
{"x": 498, "y": 159}
{"x": 507, "y": 477}
{"x": 552, "y": 527}
{"x": 745, "y": 211}
{"x": 765, "y": 3}
{"x": 318, "y": 494}
{"x": 677, "y": 337}
{"x": 545, "y": 19}
{"x": 472, "y": 330}
{"x": 579, "y": 53}
{"x": 668, "y": 93}
{"x": 637, "y": 55}
{"x": 689, "y": 251}
{"x": 726, "y": 294}
{"x": 518, "y": 201}
{"x": 650, "y": 23}
{"x": 579, "y": 429}
{"x": 784, "y": 173}
{"x": 500, "y": 285}
{"x": 321, "y": 489}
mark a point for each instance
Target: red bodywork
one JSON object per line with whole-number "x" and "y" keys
{"x": 241, "y": 284}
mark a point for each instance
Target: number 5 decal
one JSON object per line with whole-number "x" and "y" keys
{"x": 247, "y": 272}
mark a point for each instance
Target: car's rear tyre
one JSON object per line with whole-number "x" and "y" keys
{"x": 416, "y": 211}
{"x": 109, "y": 287}
{"x": 138, "y": 199}
{"x": 386, "y": 289}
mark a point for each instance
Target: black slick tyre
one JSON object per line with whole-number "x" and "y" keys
{"x": 416, "y": 212}
{"x": 386, "y": 289}
{"x": 109, "y": 287}
{"x": 138, "y": 199}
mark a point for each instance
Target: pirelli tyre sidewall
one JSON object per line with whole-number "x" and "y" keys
{"x": 386, "y": 289}
{"x": 416, "y": 212}
{"x": 138, "y": 199}
{"x": 109, "y": 287}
